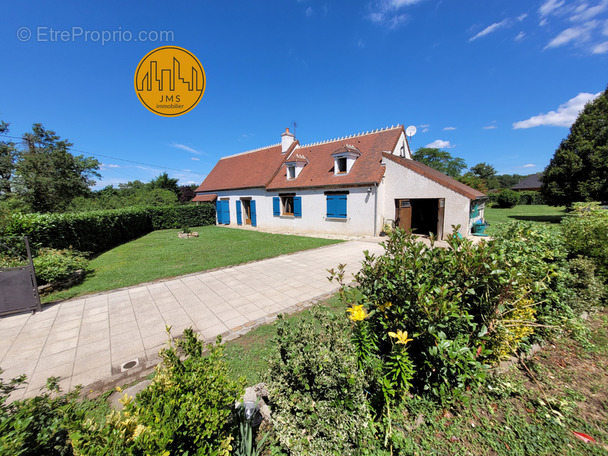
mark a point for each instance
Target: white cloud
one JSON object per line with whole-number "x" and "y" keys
{"x": 489, "y": 29}
{"x": 601, "y": 48}
{"x": 108, "y": 165}
{"x": 577, "y": 34}
{"x": 186, "y": 148}
{"x": 549, "y": 7}
{"x": 520, "y": 36}
{"x": 195, "y": 158}
{"x": 585, "y": 12}
{"x": 449, "y": 128}
{"x": 521, "y": 17}
{"x": 440, "y": 144}
{"x": 490, "y": 127}
{"x": 529, "y": 165}
{"x": 309, "y": 11}
{"x": 388, "y": 12}
{"x": 564, "y": 116}
{"x": 424, "y": 127}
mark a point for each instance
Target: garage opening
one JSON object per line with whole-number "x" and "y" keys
{"x": 420, "y": 215}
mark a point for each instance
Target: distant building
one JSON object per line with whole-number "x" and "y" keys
{"x": 529, "y": 183}
{"x": 351, "y": 185}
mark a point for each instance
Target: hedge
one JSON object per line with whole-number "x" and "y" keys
{"x": 97, "y": 231}
{"x": 528, "y": 197}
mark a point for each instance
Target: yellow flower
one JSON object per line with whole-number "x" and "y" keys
{"x": 401, "y": 337}
{"x": 357, "y": 313}
{"x": 385, "y": 306}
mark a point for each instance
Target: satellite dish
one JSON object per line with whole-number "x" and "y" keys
{"x": 410, "y": 131}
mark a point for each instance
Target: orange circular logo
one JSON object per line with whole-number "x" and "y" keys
{"x": 170, "y": 81}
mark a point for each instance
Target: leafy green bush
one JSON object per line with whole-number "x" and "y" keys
{"x": 507, "y": 198}
{"x": 530, "y": 197}
{"x": 538, "y": 257}
{"x": 97, "y": 231}
{"x": 317, "y": 393}
{"x": 589, "y": 290}
{"x": 35, "y": 426}
{"x": 52, "y": 265}
{"x": 185, "y": 410}
{"x": 586, "y": 234}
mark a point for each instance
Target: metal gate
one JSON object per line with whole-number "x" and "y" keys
{"x": 18, "y": 288}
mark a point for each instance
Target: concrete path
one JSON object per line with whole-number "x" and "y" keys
{"x": 88, "y": 340}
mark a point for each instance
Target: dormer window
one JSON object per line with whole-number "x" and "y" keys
{"x": 295, "y": 165}
{"x": 344, "y": 159}
{"x": 291, "y": 172}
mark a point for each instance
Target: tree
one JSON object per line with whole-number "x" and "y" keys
{"x": 486, "y": 173}
{"x": 8, "y": 156}
{"x": 165, "y": 182}
{"x": 440, "y": 160}
{"x": 579, "y": 169}
{"x": 508, "y": 180}
{"x": 47, "y": 175}
{"x": 186, "y": 193}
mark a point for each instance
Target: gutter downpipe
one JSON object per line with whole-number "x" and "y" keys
{"x": 375, "y": 209}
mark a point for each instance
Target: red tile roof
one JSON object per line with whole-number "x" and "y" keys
{"x": 264, "y": 167}
{"x": 246, "y": 170}
{"x": 208, "y": 198}
{"x": 319, "y": 172}
{"x": 437, "y": 176}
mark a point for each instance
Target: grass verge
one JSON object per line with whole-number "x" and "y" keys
{"x": 161, "y": 254}
{"x": 532, "y": 213}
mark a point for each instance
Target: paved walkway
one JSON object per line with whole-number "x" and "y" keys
{"x": 88, "y": 340}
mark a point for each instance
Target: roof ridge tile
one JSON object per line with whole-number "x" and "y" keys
{"x": 251, "y": 151}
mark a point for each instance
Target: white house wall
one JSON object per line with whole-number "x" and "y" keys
{"x": 402, "y": 183}
{"x": 359, "y": 209}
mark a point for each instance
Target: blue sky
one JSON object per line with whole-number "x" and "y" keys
{"x": 494, "y": 81}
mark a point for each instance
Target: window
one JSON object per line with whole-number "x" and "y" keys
{"x": 341, "y": 164}
{"x": 291, "y": 172}
{"x": 223, "y": 212}
{"x": 336, "y": 205}
{"x": 289, "y": 205}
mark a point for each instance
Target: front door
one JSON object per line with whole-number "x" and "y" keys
{"x": 247, "y": 211}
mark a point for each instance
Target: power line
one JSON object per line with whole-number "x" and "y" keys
{"x": 123, "y": 159}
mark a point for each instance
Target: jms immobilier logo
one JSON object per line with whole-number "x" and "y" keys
{"x": 170, "y": 81}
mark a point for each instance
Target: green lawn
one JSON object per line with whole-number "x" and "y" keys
{"x": 531, "y": 213}
{"x": 162, "y": 254}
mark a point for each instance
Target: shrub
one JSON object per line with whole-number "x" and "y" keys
{"x": 185, "y": 410}
{"x": 35, "y": 426}
{"x": 586, "y": 234}
{"x": 507, "y": 198}
{"x": 97, "y": 231}
{"x": 446, "y": 299}
{"x": 52, "y": 265}
{"x": 588, "y": 288}
{"x": 316, "y": 391}
{"x": 538, "y": 258}
{"x": 530, "y": 197}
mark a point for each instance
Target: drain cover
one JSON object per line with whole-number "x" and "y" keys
{"x": 129, "y": 365}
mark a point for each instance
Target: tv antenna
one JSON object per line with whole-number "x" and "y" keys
{"x": 295, "y": 124}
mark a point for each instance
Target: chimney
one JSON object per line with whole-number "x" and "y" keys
{"x": 287, "y": 140}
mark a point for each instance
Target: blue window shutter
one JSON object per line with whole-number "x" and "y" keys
{"x": 218, "y": 211}
{"x": 297, "y": 206}
{"x": 276, "y": 206}
{"x": 239, "y": 219}
{"x": 340, "y": 206}
{"x": 330, "y": 205}
{"x": 254, "y": 215}
{"x": 226, "y": 212}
